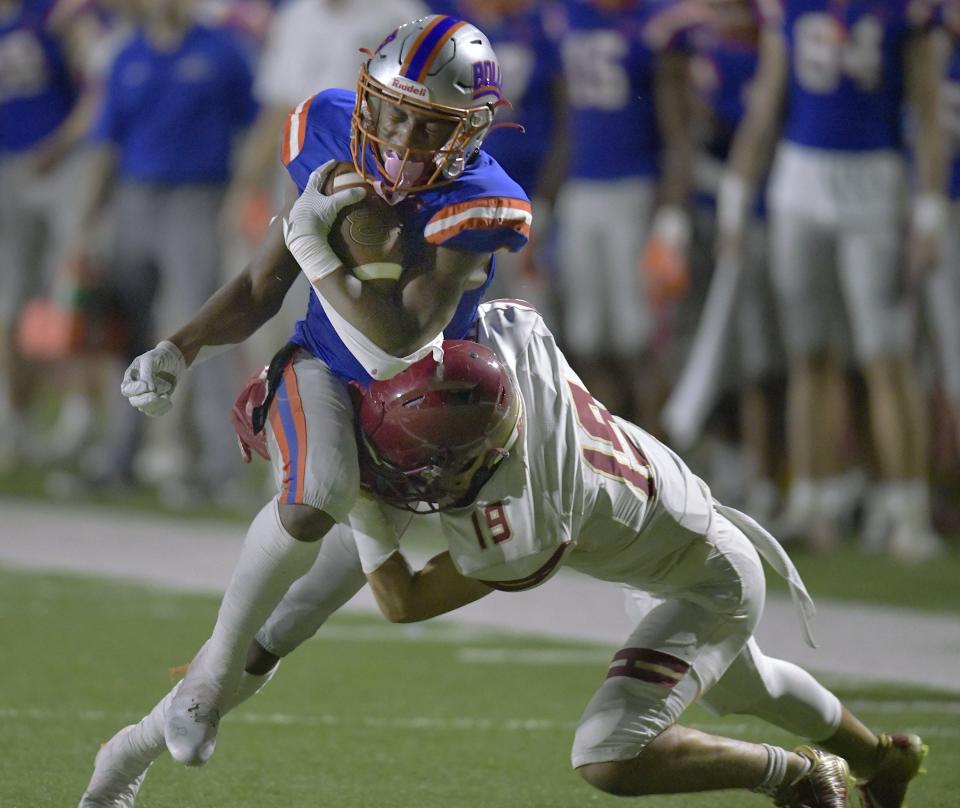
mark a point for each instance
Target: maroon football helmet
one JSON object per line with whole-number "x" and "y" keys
{"x": 431, "y": 436}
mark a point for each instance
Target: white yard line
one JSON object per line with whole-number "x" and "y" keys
{"x": 863, "y": 642}
{"x": 409, "y": 723}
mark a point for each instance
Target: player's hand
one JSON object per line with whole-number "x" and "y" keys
{"x": 310, "y": 220}
{"x": 929, "y": 221}
{"x": 252, "y": 395}
{"x": 665, "y": 262}
{"x": 152, "y": 377}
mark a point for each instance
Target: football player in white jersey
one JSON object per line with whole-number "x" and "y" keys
{"x": 529, "y": 472}
{"x": 835, "y": 79}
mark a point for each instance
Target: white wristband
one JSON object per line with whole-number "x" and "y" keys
{"x": 733, "y": 204}
{"x": 930, "y": 213}
{"x": 314, "y": 255}
{"x": 672, "y": 224}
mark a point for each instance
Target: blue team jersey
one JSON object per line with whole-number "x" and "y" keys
{"x": 482, "y": 211}
{"x": 951, "y": 103}
{"x": 530, "y": 65}
{"x": 723, "y": 69}
{"x": 846, "y": 81}
{"x": 36, "y": 89}
{"x": 173, "y": 114}
{"x": 608, "y": 60}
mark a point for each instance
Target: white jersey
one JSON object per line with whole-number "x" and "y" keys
{"x": 583, "y": 488}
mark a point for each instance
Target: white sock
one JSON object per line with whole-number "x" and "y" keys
{"x": 145, "y": 742}
{"x": 775, "y": 773}
{"x": 271, "y": 560}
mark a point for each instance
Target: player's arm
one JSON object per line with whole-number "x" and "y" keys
{"x": 674, "y": 105}
{"x": 925, "y": 61}
{"x": 402, "y": 318}
{"x": 231, "y": 315}
{"x": 405, "y": 596}
{"x": 241, "y": 306}
{"x": 754, "y": 141}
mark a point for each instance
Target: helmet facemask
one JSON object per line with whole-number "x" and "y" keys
{"x": 449, "y": 137}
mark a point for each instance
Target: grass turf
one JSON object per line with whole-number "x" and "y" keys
{"x": 368, "y": 714}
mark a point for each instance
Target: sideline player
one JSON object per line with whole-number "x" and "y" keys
{"x": 833, "y": 80}
{"x": 626, "y": 69}
{"x": 529, "y": 472}
{"x": 426, "y": 99}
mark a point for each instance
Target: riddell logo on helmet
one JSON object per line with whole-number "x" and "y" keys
{"x": 410, "y": 87}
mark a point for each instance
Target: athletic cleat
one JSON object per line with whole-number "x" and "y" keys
{"x": 118, "y": 772}
{"x": 825, "y": 785}
{"x": 901, "y": 758}
{"x": 190, "y": 729}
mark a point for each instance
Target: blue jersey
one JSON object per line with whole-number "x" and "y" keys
{"x": 723, "y": 69}
{"x": 846, "y": 81}
{"x": 609, "y": 59}
{"x": 530, "y": 65}
{"x": 36, "y": 89}
{"x": 482, "y": 211}
{"x": 951, "y": 101}
{"x": 173, "y": 114}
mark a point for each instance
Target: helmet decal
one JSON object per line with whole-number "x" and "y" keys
{"x": 427, "y": 46}
{"x": 487, "y": 79}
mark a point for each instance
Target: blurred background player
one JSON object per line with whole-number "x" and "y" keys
{"x": 523, "y": 34}
{"x": 177, "y": 95}
{"x": 630, "y": 147}
{"x": 743, "y": 342}
{"x": 42, "y": 65}
{"x": 834, "y": 79}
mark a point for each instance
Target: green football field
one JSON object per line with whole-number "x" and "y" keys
{"x": 367, "y": 714}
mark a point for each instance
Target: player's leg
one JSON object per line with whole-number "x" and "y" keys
{"x": 583, "y": 277}
{"x": 802, "y": 267}
{"x": 334, "y": 578}
{"x": 942, "y": 299}
{"x": 761, "y": 367}
{"x": 786, "y": 696}
{"x": 191, "y": 261}
{"x": 629, "y": 321}
{"x": 315, "y": 462}
{"x": 870, "y": 276}
{"x": 628, "y": 741}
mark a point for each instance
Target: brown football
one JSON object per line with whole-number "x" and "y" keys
{"x": 365, "y": 236}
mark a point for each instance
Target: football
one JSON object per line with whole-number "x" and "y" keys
{"x": 365, "y": 236}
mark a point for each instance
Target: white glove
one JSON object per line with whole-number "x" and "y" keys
{"x": 152, "y": 377}
{"x": 308, "y": 224}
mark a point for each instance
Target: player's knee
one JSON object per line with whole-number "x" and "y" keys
{"x": 259, "y": 660}
{"x": 304, "y": 522}
{"x": 609, "y": 777}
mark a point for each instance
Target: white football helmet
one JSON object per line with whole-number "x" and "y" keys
{"x": 426, "y": 98}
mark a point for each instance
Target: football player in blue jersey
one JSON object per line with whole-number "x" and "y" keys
{"x": 425, "y": 100}
{"x": 736, "y": 320}
{"x": 630, "y": 149}
{"x": 834, "y": 81}
{"x": 943, "y": 286}
{"x": 42, "y": 60}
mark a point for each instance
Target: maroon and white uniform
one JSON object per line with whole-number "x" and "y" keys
{"x": 590, "y": 491}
